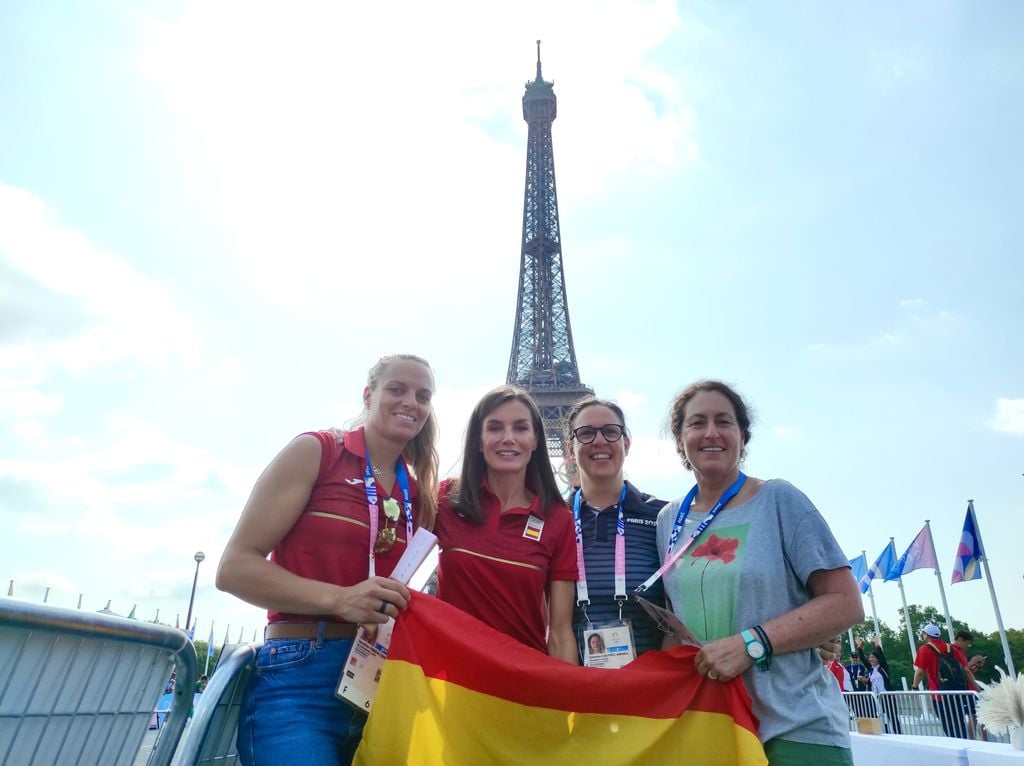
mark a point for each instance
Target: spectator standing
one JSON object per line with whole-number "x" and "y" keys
{"x": 945, "y": 667}
{"x": 860, "y": 704}
{"x": 881, "y": 681}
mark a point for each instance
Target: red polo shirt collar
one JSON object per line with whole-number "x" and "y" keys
{"x": 355, "y": 444}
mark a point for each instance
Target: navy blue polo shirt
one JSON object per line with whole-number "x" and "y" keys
{"x": 640, "y": 514}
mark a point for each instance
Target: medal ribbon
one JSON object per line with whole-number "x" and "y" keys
{"x": 582, "y": 595}
{"x": 370, "y": 485}
{"x": 684, "y": 511}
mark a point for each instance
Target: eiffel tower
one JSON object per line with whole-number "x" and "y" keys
{"x": 543, "y": 358}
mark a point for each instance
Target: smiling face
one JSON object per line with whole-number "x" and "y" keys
{"x": 601, "y": 459}
{"x": 710, "y": 438}
{"x": 507, "y": 438}
{"x": 400, "y": 404}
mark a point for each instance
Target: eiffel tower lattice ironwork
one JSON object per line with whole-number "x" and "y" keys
{"x": 543, "y": 358}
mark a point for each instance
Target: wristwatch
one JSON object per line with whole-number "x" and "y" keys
{"x": 756, "y": 650}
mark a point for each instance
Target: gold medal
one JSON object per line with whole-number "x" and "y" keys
{"x": 385, "y": 540}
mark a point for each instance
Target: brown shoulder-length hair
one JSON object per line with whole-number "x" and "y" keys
{"x": 421, "y": 451}
{"x": 465, "y": 495}
{"x": 677, "y": 413}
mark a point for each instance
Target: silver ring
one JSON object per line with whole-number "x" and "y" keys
{"x": 713, "y": 677}
{"x": 383, "y": 608}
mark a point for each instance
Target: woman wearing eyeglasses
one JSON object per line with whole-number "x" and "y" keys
{"x": 505, "y": 535}
{"x": 333, "y": 516}
{"x": 611, "y": 514}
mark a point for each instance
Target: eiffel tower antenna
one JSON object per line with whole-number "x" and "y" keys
{"x": 543, "y": 358}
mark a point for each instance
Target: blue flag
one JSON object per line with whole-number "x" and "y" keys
{"x": 884, "y": 563}
{"x": 209, "y": 644}
{"x": 859, "y": 568}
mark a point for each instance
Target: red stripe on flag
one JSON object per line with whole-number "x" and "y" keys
{"x": 468, "y": 653}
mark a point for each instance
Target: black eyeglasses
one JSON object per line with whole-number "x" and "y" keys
{"x": 611, "y": 432}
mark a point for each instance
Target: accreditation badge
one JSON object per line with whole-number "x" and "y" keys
{"x": 608, "y": 644}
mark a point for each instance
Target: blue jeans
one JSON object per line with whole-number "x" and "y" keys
{"x": 290, "y": 714}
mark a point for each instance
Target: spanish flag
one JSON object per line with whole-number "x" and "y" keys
{"x": 453, "y": 691}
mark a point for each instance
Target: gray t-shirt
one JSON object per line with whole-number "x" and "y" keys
{"x": 750, "y": 565}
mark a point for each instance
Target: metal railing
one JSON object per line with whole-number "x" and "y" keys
{"x": 211, "y": 739}
{"x": 926, "y": 713}
{"x": 81, "y": 687}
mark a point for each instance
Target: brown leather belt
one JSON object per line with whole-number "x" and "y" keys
{"x": 310, "y": 630}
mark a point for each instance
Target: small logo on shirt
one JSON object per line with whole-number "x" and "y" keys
{"x": 534, "y": 528}
{"x": 642, "y": 521}
{"x": 354, "y": 482}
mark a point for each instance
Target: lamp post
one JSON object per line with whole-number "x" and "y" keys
{"x": 192, "y": 599}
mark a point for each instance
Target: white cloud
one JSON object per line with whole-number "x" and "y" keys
{"x": 342, "y": 160}
{"x": 1009, "y": 416}
{"x": 918, "y": 323}
{"x": 124, "y": 315}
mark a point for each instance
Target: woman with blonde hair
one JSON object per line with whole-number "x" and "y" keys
{"x": 317, "y": 540}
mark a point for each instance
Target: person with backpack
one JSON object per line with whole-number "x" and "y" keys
{"x": 945, "y": 667}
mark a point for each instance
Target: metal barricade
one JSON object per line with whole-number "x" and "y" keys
{"x": 80, "y": 687}
{"x": 926, "y": 713}
{"x": 211, "y": 739}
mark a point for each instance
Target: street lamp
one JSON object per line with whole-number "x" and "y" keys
{"x": 192, "y": 599}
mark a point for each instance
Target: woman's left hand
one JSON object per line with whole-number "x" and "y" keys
{"x": 724, "y": 659}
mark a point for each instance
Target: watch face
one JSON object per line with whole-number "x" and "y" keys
{"x": 755, "y": 649}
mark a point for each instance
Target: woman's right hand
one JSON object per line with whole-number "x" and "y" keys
{"x": 372, "y": 601}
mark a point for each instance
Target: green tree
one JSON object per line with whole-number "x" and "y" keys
{"x": 201, "y": 649}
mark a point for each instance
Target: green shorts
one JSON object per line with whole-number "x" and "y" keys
{"x": 783, "y": 752}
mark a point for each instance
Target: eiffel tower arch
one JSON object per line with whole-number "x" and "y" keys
{"x": 543, "y": 358}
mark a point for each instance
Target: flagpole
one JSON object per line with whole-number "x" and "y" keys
{"x": 992, "y": 593}
{"x": 906, "y": 613}
{"x": 209, "y": 651}
{"x": 938, "y": 576}
{"x": 871, "y": 595}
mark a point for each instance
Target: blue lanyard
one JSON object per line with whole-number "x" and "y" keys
{"x": 370, "y": 485}
{"x": 582, "y": 595}
{"x": 684, "y": 511}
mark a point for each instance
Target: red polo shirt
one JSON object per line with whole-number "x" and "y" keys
{"x": 928, "y": 660}
{"x": 498, "y": 571}
{"x": 330, "y": 541}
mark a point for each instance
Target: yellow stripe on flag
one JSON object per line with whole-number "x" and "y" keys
{"x": 457, "y": 692}
{"x": 431, "y": 721}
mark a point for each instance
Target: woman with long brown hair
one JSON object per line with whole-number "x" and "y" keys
{"x": 505, "y": 534}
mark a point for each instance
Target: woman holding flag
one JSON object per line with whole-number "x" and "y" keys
{"x": 764, "y": 586}
{"x": 322, "y": 530}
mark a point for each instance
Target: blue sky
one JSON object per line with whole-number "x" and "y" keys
{"x": 215, "y": 216}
